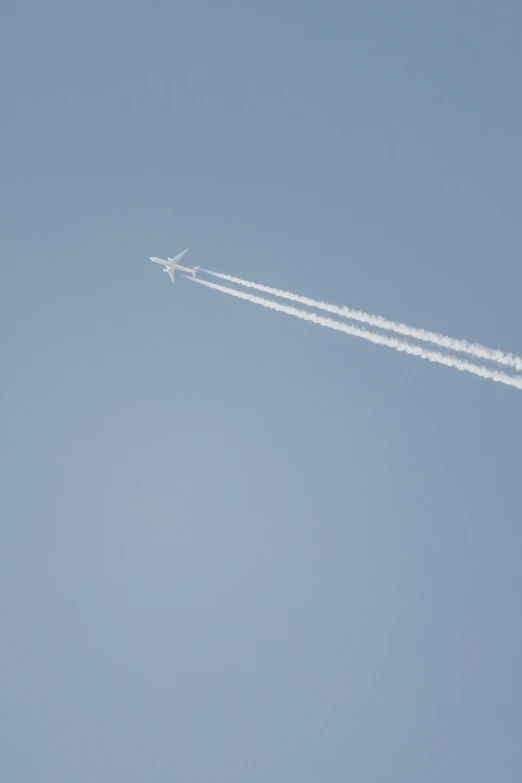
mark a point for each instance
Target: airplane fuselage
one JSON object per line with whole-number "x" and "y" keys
{"x": 178, "y": 268}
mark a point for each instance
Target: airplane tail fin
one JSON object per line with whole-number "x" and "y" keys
{"x": 196, "y": 269}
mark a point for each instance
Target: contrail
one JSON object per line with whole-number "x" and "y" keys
{"x": 452, "y": 344}
{"x": 374, "y": 337}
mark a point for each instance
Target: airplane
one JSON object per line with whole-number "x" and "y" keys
{"x": 171, "y": 264}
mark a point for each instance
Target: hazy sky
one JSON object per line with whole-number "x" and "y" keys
{"x": 236, "y": 546}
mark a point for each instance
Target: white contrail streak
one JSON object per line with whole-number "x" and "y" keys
{"x": 374, "y": 337}
{"x": 451, "y": 343}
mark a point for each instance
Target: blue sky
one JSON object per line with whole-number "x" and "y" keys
{"x": 235, "y": 546}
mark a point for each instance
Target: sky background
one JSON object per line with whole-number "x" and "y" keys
{"x": 236, "y": 546}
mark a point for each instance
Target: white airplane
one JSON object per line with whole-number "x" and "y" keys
{"x": 171, "y": 264}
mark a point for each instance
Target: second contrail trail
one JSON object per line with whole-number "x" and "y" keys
{"x": 374, "y": 337}
{"x": 450, "y": 343}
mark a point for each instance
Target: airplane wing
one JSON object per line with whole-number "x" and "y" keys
{"x": 178, "y": 258}
{"x": 170, "y": 273}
